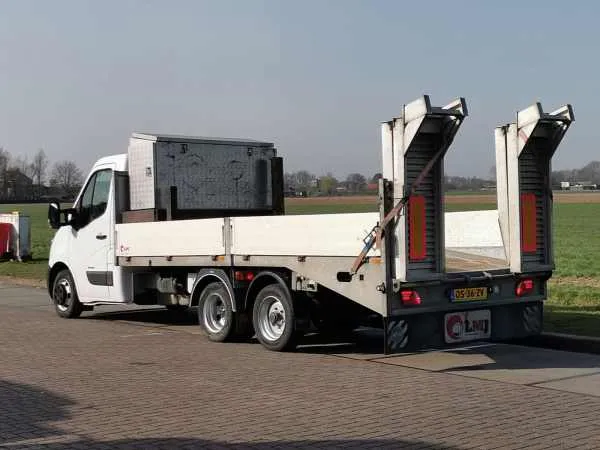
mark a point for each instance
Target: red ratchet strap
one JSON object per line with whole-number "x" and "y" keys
{"x": 377, "y": 232}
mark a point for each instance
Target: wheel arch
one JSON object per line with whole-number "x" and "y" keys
{"x": 53, "y": 272}
{"x": 259, "y": 282}
{"x": 207, "y": 276}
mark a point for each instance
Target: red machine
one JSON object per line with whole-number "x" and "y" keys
{"x": 5, "y": 239}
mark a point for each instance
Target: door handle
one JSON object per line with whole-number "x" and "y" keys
{"x": 100, "y": 236}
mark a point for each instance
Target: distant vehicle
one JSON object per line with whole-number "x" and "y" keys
{"x": 199, "y": 222}
{"x": 578, "y": 185}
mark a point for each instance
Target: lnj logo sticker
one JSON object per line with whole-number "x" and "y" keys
{"x": 455, "y": 326}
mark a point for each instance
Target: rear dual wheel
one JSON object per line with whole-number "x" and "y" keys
{"x": 216, "y": 316}
{"x": 273, "y": 317}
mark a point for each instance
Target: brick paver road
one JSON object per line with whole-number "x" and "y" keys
{"x": 130, "y": 381}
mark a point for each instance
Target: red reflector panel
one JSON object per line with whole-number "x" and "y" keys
{"x": 243, "y": 276}
{"x": 416, "y": 228}
{"x": 410, "y": 298}
{"x": 528, "y": 223}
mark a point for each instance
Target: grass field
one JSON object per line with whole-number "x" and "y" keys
{"x": 574, "y": 290}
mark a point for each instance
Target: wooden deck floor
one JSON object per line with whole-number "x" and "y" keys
{"x": 457, "y": 261}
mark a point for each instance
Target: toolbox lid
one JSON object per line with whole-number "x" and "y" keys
{"x": 155, "y": 137}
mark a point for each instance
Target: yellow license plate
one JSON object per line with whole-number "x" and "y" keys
{"x": 469, "y": 294}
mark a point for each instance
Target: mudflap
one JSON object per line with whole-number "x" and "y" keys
{"x": 517, "y": 321}
{"x": 426, "y": 331}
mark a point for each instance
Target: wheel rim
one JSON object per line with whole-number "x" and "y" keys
{"x": 63, "y": 294}
{"x": 214, "y": 313}
{"x": 271, "y": 320}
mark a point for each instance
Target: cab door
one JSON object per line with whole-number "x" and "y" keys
{"x": 92, "y": 237}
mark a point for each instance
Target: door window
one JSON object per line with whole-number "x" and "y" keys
{"x": 95, "y": 197}
{"x": 101, "y": 191}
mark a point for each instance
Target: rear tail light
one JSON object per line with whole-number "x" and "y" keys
{"x": 524, "y": 287}
{"x": 243, "y": 275}
{"x": 410, "y": 298}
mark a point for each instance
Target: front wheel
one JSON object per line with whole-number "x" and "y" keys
{"x": 64, "y": 296}
{"x": 274, "y": 318}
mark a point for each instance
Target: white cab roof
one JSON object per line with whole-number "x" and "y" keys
{"x": 120, "y": 162}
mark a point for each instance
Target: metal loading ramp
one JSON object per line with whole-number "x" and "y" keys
{"x": 524, "y": 151}
{"x": 413, "y": 150}
{"x": 518, "y": 235}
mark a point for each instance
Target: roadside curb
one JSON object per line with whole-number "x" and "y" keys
{"x": 566, "y": 342}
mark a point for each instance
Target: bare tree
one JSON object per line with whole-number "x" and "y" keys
{"x": 39, "y": 167}
{"x": 4, "y": 159}
{"x": 67, "y": 176}
{"x": 356, "y": 182}
{"x": 492, "y": 173}
{"x": 22, "y": 165}
{"x": 303, "y": 180}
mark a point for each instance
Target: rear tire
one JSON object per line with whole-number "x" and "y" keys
{"x": 274, "y": 319}
{"x": 215, "y": 312}
{"x": 64, "y": 296}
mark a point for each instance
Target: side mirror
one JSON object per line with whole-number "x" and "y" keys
{"x": 54, "y": 215}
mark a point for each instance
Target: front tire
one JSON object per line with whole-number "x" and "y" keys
{"x": 274, "y": 318}
{"x": 64, "y": 296}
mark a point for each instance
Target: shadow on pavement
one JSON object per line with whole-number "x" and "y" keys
{"x": 515, "y": 357}
{"x": 156, "y": 316}
{"x": 30, "y": 418}
{"x": 26, "y": 410}
{"x": 365, "y": 341}
{"x": 470, "y": 357}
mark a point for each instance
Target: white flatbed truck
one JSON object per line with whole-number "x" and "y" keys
{"x": 199, "y": 223}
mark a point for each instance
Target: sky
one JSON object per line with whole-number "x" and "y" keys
{"x": 316, "y": 77}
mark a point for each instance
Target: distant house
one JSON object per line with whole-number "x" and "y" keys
{"x": 15, "y": 185}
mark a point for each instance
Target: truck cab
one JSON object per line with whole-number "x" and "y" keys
{"x": 82, "y": 249}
